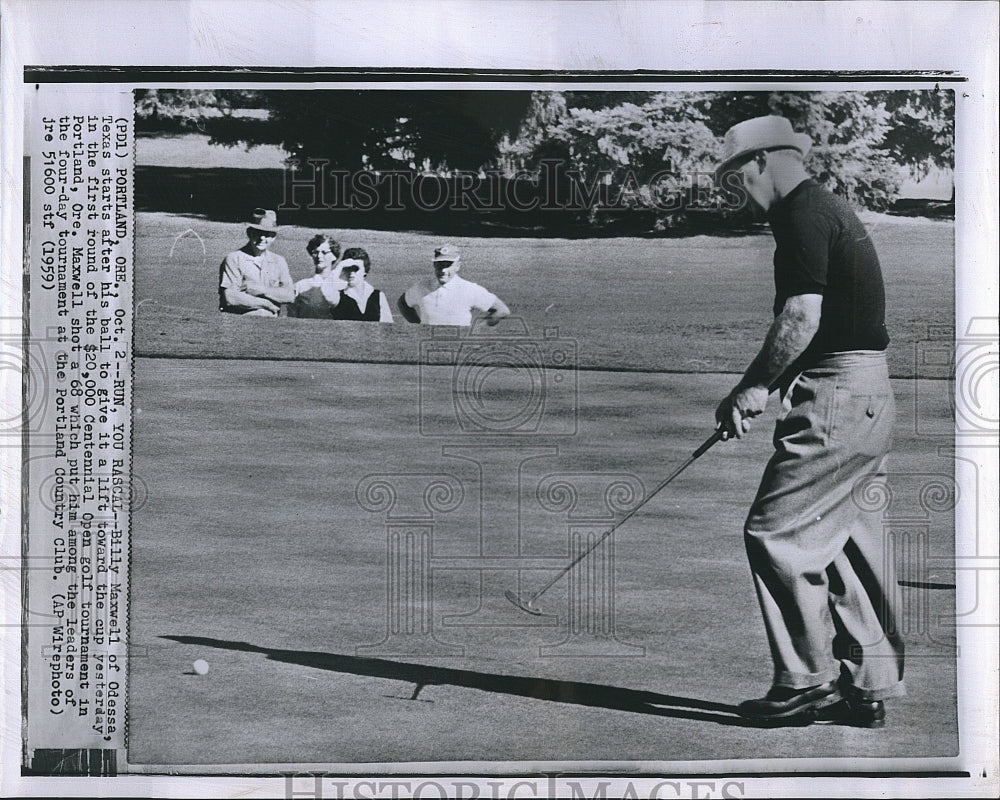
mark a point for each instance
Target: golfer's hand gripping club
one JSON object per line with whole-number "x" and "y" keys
{"x": 528, "y": 604}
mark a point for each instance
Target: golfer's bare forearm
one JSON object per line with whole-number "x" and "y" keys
{"x": 788, "y": 337}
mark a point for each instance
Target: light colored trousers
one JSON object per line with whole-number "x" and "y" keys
{"x": 826, "y": 587}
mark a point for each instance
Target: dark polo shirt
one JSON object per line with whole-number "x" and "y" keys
{"x": 822, "y": 248}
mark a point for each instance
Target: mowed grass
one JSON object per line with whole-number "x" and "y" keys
{"x": 192, "y": 151}
{"x": 700, "y": 304}
{"x": 253, "y": 551}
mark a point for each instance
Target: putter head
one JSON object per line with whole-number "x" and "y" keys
{"x": 524, "y": 605}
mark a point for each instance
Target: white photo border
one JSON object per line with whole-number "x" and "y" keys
{"x": 961, "y": 39}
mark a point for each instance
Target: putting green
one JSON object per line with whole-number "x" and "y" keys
{"x": 256, "y": 551}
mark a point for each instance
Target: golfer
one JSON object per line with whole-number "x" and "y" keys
{"x": 825, "y": 586}
{"x": 448, "y": 299}
{"x": 359, "y": 300}
{"x": 316, "y": 295}
{"x": 253, "y": 280}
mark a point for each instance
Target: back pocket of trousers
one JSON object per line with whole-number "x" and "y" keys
{"x": 856, "y": 417}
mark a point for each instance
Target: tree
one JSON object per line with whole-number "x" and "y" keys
{"x": 649, "y": 156}
{"x": 921, "y": 135}
{"x": 848, "y": 130}
{"x": 864, "y": 143}
{"x": 434, "y": 131}
{"x": 536, "y": 137}
{"x": 642, "y": 150}
{"x": 173, "y": 109}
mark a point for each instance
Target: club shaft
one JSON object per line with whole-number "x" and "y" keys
{"x": 715, "y": 437}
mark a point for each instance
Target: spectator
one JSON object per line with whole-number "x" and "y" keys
{"x": 253, "y": 280}
{"x": 446, "y": 298}
{"x": 316, "y": 296}
{"x": 359, "y": 300}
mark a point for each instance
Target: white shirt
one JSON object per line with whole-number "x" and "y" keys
{"x": 450, "y": 304}
{"x": 329, "y": 285}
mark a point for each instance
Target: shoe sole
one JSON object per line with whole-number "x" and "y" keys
{"x": 853, "y": 719}
{"x": 867, "y": 724}
{"x": 805, "y": 709}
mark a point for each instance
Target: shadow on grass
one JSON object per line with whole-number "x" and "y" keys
{"x": 224, "y": 194}
{"x": 555, "y": 691}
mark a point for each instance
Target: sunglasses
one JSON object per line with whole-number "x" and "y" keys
{"x": 351, "y": 269}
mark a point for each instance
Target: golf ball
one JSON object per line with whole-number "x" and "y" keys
{"x": 201, "y": 666}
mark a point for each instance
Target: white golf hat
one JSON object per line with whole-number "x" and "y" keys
{"x": 760, "y": 133}
{"x": 446, "y": 253}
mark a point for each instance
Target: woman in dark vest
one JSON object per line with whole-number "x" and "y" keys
{"x": 360, "y": 300}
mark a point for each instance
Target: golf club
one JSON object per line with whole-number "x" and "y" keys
{"x": 528, "y": 604}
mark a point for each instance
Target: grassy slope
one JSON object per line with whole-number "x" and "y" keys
{"x": 696, "y": 304}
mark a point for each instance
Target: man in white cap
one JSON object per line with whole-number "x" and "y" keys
{"x": 253, "y": 280}
{"x": 447, "y": 299}
{"x": 824, "y": 582}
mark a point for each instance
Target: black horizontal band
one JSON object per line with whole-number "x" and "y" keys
{"x": 216, "y": 74}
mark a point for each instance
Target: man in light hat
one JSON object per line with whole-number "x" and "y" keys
{"x": 447, "y": 299}
{"x": 825, "y": 586}
{"x": 253, "y": 280}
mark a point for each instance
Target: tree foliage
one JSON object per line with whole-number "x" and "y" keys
{"x": 644, "y": 148}
{"x": 173, "y": 109}
{"x": 188, "y": 109}
{"x": 921, "y": 134}
{"x": 864, "y": 143}
{"x": 848, "y": 131}
{"x": 431, "y": 131}
{"x": 645, "y": 153}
